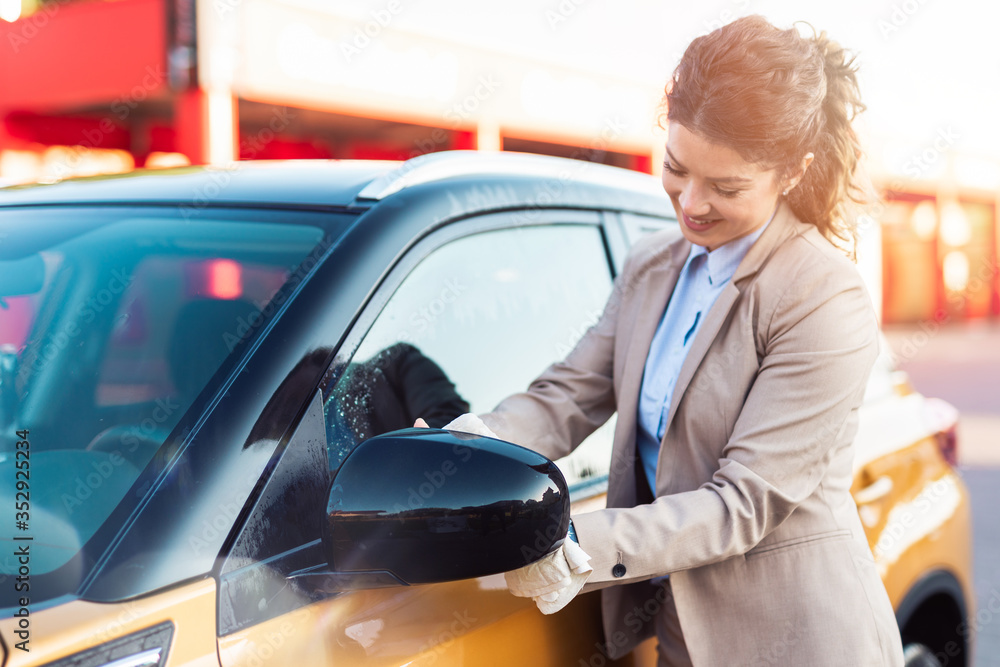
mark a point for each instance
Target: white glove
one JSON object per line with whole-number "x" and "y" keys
{"x": 470, "y": 423}
{"x": 554, "y": 580}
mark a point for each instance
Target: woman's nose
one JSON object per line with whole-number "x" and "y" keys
{"x": 693, "y": 201}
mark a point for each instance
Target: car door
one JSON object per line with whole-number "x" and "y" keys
{"x": 470, "y": 314}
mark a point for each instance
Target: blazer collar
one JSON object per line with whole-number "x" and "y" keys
{"x": 784, "y": 225}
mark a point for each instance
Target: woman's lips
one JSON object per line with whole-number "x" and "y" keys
{"x": 697, "y": 224}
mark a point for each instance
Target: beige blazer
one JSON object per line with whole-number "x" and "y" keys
{"x": 753, "y": 518}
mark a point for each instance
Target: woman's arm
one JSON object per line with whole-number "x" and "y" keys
{"x": 821, "y": 342}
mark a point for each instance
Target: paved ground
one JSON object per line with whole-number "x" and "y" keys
{"x": 984, "y": 487}
{"x": 961, "y": 364}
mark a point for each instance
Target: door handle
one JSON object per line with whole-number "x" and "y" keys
{"x": 877, "y": 490}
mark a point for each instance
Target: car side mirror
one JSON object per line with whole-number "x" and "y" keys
{"x": 419, "y": 506}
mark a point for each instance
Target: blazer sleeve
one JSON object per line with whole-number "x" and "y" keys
{"x": 573, "y": 397}
{"x": 820, "y": 342}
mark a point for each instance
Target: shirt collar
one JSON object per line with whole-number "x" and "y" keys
{"x": 722, "y": 262}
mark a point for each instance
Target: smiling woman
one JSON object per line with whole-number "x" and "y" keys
{"x": 721, "y": 197}
{"x": 769, "y": 108}
{"x": 736, "y": 357}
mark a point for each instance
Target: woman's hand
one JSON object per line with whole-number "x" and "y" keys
{"x": 553, "y": 580}
{"x": 467, "y": 423}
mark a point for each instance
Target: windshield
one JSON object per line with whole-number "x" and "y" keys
{"x": 112, "y": 323}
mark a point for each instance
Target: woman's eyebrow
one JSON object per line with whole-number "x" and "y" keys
{"x": 721, "y": 179}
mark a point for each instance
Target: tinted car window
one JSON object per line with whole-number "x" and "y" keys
{"x": 119, "y": 321}
{"x": 474, "y": 322}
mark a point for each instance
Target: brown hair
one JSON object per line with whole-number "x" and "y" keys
{"x": 773, "y": 95}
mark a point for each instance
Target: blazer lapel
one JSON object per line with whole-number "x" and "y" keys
{"x": 699, "y": 346}
{"x": 781, "y": 227}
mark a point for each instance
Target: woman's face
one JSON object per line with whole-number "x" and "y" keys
{"x": 718, "y": 196}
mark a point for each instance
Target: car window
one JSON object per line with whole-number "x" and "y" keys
{"x": 120, "y": 319}
{"x": 158, "y": 346}
{"x": 636, "y": 226}
{"x": 473, "y": 322}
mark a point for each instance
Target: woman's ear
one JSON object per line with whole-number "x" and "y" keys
{"x": 797, "y": 175}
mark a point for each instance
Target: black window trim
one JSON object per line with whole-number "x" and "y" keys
{"x": 607, "y": 223}
{"x": 432, "y": 241}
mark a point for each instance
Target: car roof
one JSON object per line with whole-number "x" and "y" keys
{"x": 519, "y": 179}
{"x": 306, "y": 182}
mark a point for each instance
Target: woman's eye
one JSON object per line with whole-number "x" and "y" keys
{"x": 721, "y": 192}
{"x": 669, "y": 168}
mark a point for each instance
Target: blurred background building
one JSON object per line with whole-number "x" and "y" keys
{"x": 99, "y": 87}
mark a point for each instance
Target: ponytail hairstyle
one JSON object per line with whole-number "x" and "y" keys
{"x": 773, "y": 95}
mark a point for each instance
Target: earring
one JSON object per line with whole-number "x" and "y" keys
{"x": 785, "y": 192}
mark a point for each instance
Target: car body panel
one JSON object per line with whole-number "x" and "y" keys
{"x": 76, "y": 626}
{"x": 468, "y": 622}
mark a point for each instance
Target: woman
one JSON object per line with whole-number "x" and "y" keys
{"x": 736, "y": 357}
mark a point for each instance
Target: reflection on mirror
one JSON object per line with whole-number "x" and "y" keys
{"x": 388, "y": 392}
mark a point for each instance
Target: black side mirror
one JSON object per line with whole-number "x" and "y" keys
{"x": 419, "y": 506}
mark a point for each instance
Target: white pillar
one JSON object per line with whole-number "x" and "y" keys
{"x": 488, "y": 137}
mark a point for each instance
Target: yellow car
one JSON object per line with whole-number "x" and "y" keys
{"x": 204, "y": 374}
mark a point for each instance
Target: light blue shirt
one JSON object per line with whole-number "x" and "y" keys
{"x": 701, "y": 280}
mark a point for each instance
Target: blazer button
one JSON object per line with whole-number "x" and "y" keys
{"x": 618, "y": 570}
